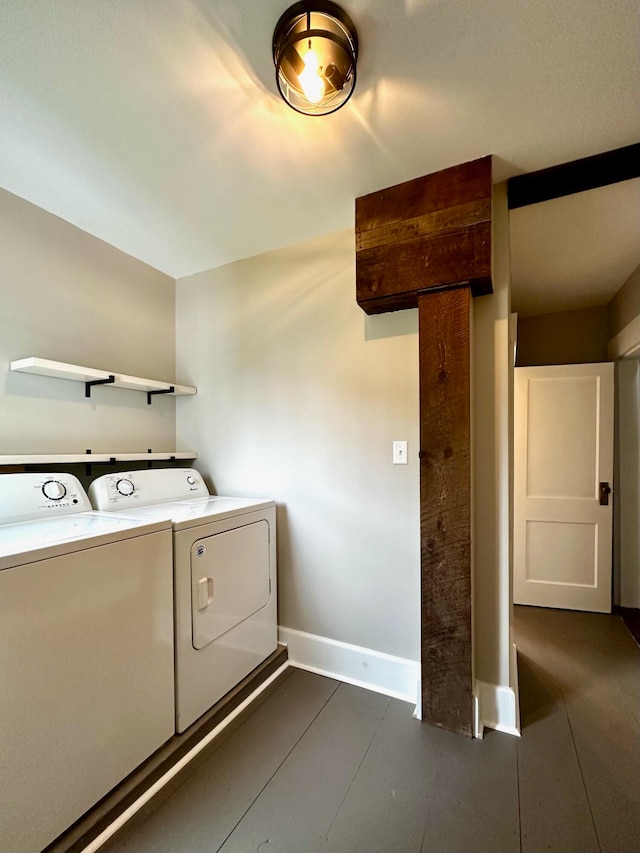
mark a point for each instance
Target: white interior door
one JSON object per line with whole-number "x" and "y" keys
{"x": 563, "y": 466}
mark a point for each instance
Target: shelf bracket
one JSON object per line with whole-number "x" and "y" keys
{"x": 90, "y": 384}
{"x": 150, "y": 394}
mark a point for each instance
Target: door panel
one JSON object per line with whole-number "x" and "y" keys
{"x": 562, "y": 459}
{"x": 563, "y": 451}
{"x": 561, "y": 552}
{"x": 229, "y": 580}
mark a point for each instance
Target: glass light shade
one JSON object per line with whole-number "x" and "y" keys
{"x": 315, "y": 48}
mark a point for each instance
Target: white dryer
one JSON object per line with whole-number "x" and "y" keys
{"x": 224, "y": 552}
{"x": 86, "y": 653}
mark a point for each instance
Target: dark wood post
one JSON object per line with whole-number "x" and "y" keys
{"x": 445, "y": 509}
{"x": 427, "y": 244}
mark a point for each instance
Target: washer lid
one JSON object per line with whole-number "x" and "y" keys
{"x": 185, "y": 514}
{"x": 30, "y": 541}
{"x": 192, "y": 513}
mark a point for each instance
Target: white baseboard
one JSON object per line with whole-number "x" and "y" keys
{"x": 496, "y": 706}
{"x": 383, "y": 673}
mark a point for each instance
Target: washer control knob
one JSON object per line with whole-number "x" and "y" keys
{"x": 54, "y": 490}
{"x": 191, "y": 480}
{"x": 125, "y": 487}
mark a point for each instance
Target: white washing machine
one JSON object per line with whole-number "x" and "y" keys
{"x": 86, "y": 653}
{"x": 224, "y": 552}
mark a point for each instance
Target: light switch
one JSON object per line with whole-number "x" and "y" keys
{"x": 399, "y": 452}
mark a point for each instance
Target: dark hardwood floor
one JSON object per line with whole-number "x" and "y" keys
{"x": 324, "y": 767}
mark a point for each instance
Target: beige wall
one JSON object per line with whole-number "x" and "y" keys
{"x": 564, "y": 337}
{"x": 625, "y": 305}
{"x": 69, "y": 297}
{"x": 300, "y": 397}
{"x": 492, "y": 461}
{"x": 626, "y": 506}
{"x": 581, "y": 336}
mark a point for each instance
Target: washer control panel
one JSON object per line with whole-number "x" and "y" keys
{"x": 29, "y": 496}
{"x": 116, "y": 492}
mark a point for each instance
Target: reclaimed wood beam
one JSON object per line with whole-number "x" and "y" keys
{"x": 429, "y": 233}
{"x": 445, "y": 509}
{"x": 426, "y": 244}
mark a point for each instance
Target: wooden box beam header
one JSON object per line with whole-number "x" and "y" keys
{"x": 430, "y": 233}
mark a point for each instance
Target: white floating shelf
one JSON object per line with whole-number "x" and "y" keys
{"x": 89, "y": 458}
{"x": 61, "y": 370}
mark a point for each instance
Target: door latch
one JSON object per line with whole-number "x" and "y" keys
{"x": 605, "y": 491}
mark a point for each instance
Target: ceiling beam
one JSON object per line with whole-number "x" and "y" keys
{"x": 575, "y": 177}
{"x": 429, "y": 233}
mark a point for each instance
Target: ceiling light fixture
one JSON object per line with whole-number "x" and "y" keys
{"x": 315, "y": 48}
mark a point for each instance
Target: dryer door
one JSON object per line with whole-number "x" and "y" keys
{"x": 229, "y": 580}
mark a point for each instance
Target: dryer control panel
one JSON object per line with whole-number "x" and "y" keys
{"x": 24, "y": 497}
{"x": 117, "y": 492}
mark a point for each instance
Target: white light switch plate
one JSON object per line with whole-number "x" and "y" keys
{"x": 399, "y": 452}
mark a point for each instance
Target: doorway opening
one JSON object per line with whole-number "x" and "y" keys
{"x": 575, "y": 244}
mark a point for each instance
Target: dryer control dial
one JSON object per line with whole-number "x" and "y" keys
{"x": 191, "y": 480}
{"x": 54, "y": 490}
{"x": 125, "y": 487}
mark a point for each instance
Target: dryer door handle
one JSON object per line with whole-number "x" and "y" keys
{"x": 205, "y": 593}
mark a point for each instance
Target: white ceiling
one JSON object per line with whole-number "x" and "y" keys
{"x": 155, "y": 124}
{"x": 574, "y": 252}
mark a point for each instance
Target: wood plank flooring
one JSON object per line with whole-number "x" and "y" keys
{"x": 324, "y": 767}
{"x": 579, "y": 756}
